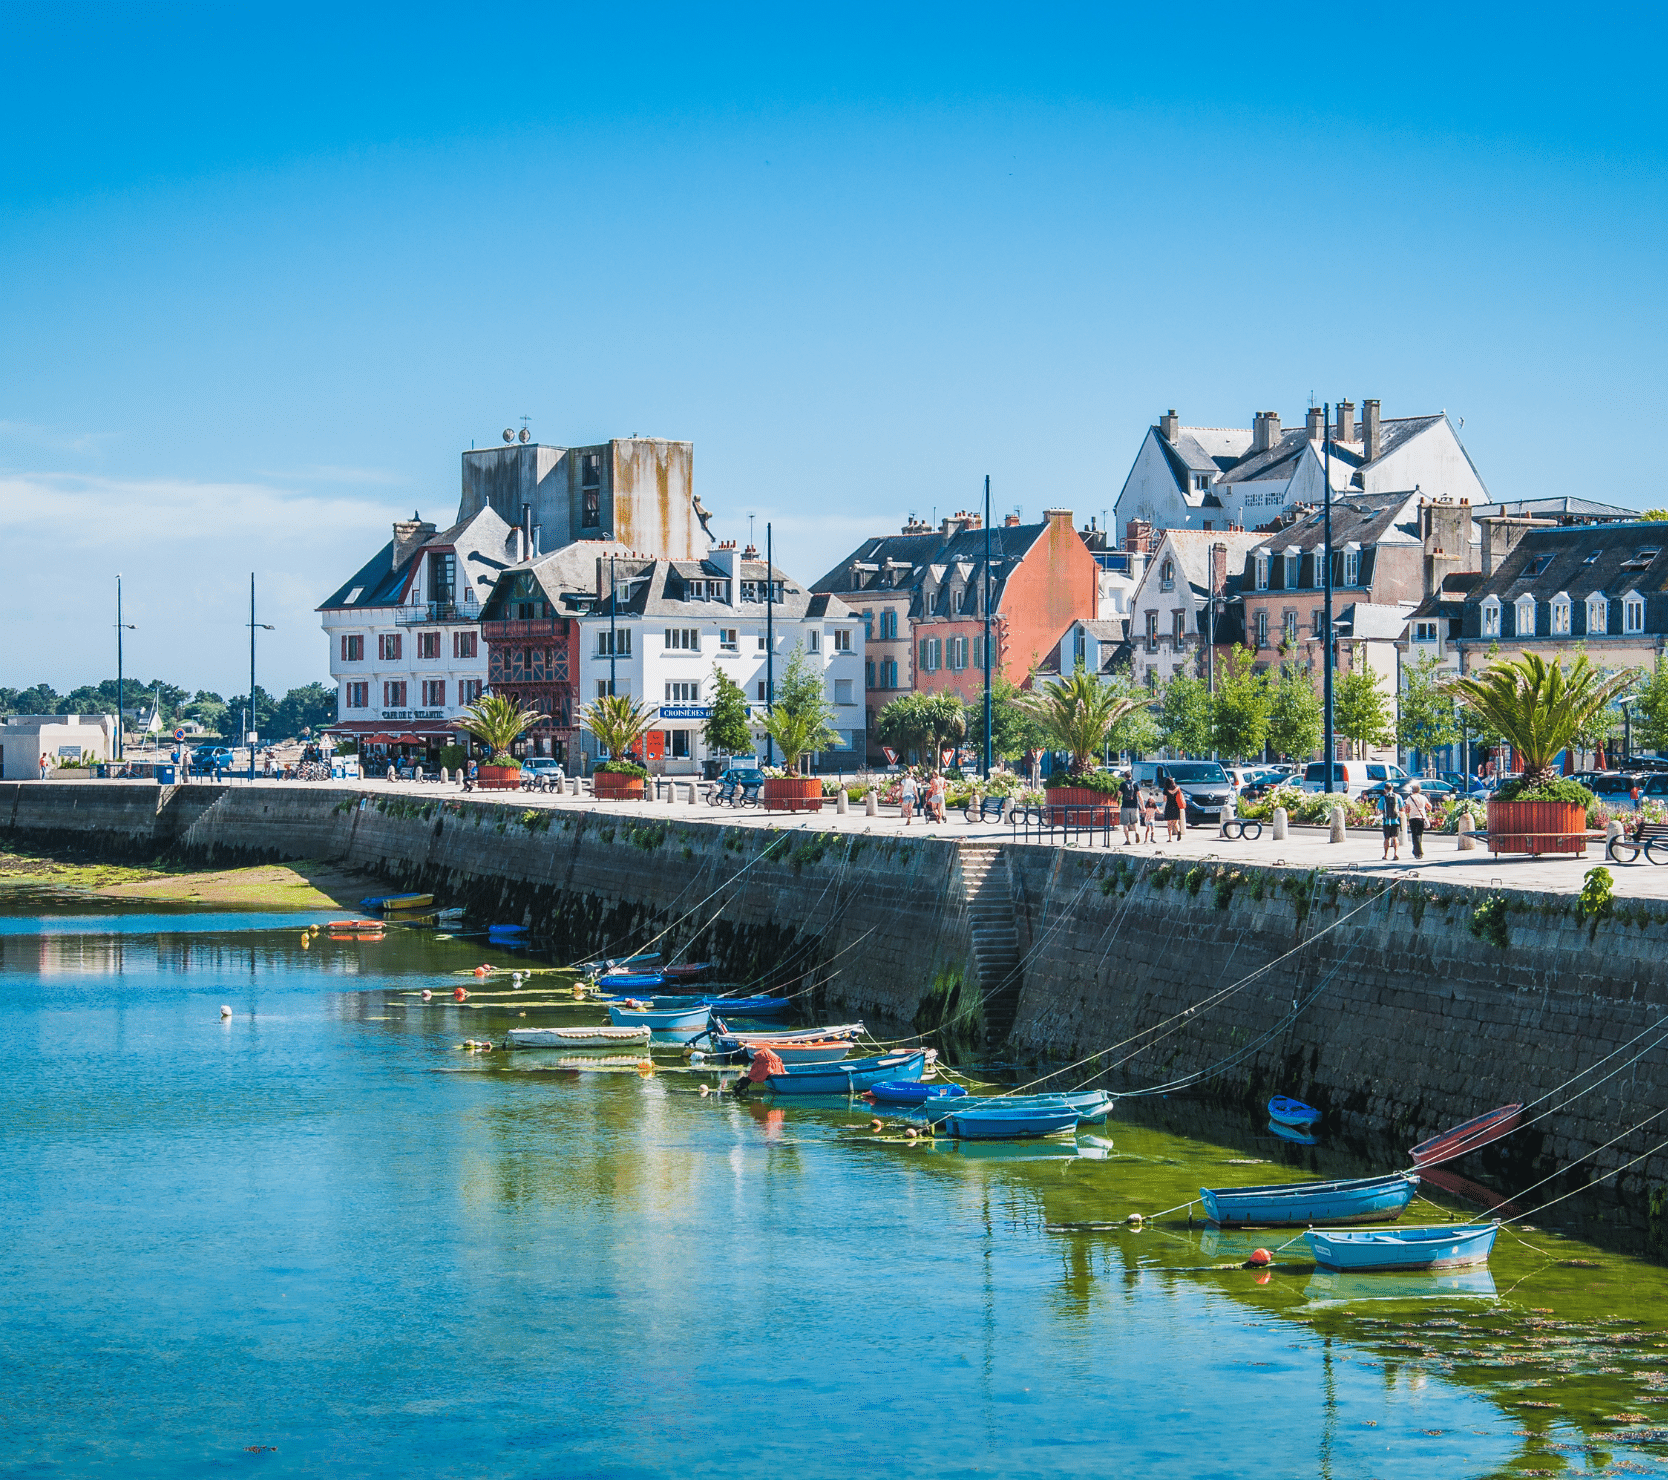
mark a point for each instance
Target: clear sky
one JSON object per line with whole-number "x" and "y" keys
{"x": 268, "y": 270}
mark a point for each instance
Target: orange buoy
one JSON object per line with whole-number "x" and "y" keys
{"x": 460, "y": 994}
{"x": 1260, "y": 1257}
{"x": 427, "y": 994}
{"x": 645, "y": 1067}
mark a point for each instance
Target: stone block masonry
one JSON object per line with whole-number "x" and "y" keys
{"x": 1393, "y": 1006}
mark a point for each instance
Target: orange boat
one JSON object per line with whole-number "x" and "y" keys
{"x": 356, "y": 927}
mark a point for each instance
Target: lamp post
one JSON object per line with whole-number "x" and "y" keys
{"x": 770, "y": 638}
{"x": 121, "y": 627}
{"x": 987, "y": 630}
{"x": 254, "y": 724}
{"x": 1326, "y": 606}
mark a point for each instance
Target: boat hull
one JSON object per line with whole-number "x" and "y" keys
{"x": 575, "y": 1037}
{"x": 1009, "y": 1125}
{"x": 1467, "y": 1136}
{"x": 1443, "y": 1246}
{"x": 906, "y": 1093}
{"x": 848, "y": 1078}
{"x": 1092, "y": 1106}
{"x": 802, "y": 1053}
{"x": 1287, "y": 1111}
{"x": 1291, "y": 1204}
{"x": 661, "y": 1020}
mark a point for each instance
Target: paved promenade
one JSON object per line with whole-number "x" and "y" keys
{"x": 1302, "y": 848}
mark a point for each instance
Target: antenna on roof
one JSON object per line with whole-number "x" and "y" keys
{"x": 524, "y": 434}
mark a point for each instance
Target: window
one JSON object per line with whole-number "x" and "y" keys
{"x": 813, "y": 640}
{"x": 469, "y": 690}
{"x": 1598, "y": 614}
{"x": 889, "y": 623}
{"x": 889, "y": 674}
{"x": 761, "y": 691}
{"x": 393, "y": 694}
{"x": 1262, "y": 628}
{"x": 727, "y": 638}
{"x": 1525, "y": 609}
{"x": 978, "y": 652}
{"x": 683, "y": 639}
{"x": 869, "y": 674}
{"x": 694, "y": 590}
{"x": 842, "y": 691}
{"x": 1167, "y": 576}
{"x": 434, "y": 693}
{"x": 761, "y": 641}
{"x": 932, "y": 654}
{"x": 1538, "y": 565}
{"x": 463, "y": 644}
{"x": 958, "y": 653}
{"x": 1491, "y": 617}
{"x": 1201, "y": 482}
{"x": 684, "y": 693}
{"x": 1292, "y": 562}
{"x": 1352, "y": 567}
{"x": 842, "y": 639}
{"x": 678, "y": 749}
{"x": 1288, "y": 626}
{"x": 868, "y": 626}
{"x": 1152, "y": 632}
{"x": 353, "y": 649}
{"x": 1178, "y": 626}
{"x": 358, "y": 696}
{"x": 1633, "y": 612}
{"x": 443, "y": 577}
{"x": 1561, "y": 615}
{"x": 590, "y": 490}
{"x": 1591, "y": 558}
{"x": 616, "y": 644}
{"x": 1316, "y": 616}
{"x": 1641, "y": 558}
{"x": 1262, "y": 572}
{"x": 603, "y": 688}
{"x": 428, "y": 644}
{"x": 388, "y": 647}
{"x": 1424, "y": 631}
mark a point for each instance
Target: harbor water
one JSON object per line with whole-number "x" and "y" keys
{"x": 317, "y": 1236}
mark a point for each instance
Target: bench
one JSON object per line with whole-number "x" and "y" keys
{"x": 1649, "y": 838}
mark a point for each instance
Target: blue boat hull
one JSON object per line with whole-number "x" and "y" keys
{"x": 1286, "y": 1111}
{"x": 1291, "y": 1204}
{"x": 1092, "y": 1106}
{"x": 904, "y": 1093}
{"x": 849, "y": 1077}
{"x": 1444, "y": 1246}
{"x": 659, "y": 1021}
{"x": 1009, "y": 1125}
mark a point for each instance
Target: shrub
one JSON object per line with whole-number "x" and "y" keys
{"x": 1597, "y": 895}
{"x": 451, "y": 756}
{"x": 1559, "y": 789}
{"x": 622, "y": 768}
{"x": 1105, "y": 782}
{"x": 1488, "y": 921}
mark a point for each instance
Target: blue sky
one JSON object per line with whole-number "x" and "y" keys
{"x": 269, "y": 270}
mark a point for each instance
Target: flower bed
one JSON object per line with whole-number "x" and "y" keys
{"x": 1537, "y": 827}
{"x": 617, "y": 786}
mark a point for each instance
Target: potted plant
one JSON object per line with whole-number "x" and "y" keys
{"x": 798, "y": 723}
{"x": 619, "y": 724}
{"x": 1539, "y": 710}
{"x": 1080, "y": 714}
{"x": 498, "y": 722}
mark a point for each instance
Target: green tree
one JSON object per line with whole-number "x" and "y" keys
{"x": 1295, "y": 719}
{"x": 1650, "y": 712}
{"x": 1425, "y": 718}
{"x": 798, "y": 720}
{"x": 41, "y": 699}
{"x": 1137, "y": 730}
{"x": 207, "y": 709}
{"x": 498, "y": 721}
{"x": 1013, "y": 728}
{"x": 1184, "y": 714}
{"x": 729, "y": 728}
{"x": 922, "y": 722}
{"x": 310, "y": 707}
{"x": 1360, "y": 708}
{"x": 1537, "y": 707}
{"x": 237, "y": 712}
{"x": 1079, "y": 714}
{"x": 1239, "y": 714}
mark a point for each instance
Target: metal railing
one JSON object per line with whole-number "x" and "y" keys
{"x": 436, "y": 611}
{"x": 1076, "y": 825}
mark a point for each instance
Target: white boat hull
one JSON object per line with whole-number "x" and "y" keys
{"x": 575, "y": 1037}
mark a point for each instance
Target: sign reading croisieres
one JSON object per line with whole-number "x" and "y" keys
{"x": 686, "y": 711}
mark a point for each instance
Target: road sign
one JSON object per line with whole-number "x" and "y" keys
{"x": 179, "y": 734}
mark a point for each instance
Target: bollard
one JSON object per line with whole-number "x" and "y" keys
{"x": 842, "y": 803}
{"x": 1467, "y": 843}
{"x": 1007, "y": 809}
{"x": 871, "y": 803}
{"x": 1337, "y": 825}
{"x": 1279, "y": 824}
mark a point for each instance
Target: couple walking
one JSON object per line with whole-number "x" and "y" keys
{"x": 930, "y": 793}
{"x": 1138, "y": 811}
{"x": 1393, "y": 807}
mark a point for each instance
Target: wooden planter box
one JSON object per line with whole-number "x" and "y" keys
{"x": 498, "y": 778}
{"x": 616, "y": 786}
{"x": 792, "y": 794}
{"x": 1059, "y": 798}
{"x": 1537, "y": 827}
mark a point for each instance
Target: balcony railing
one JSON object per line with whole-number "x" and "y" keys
{"x": 512, "y": 630}
{"x": 437, "y": 611}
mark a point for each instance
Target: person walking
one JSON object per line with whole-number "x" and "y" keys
{"x": 906, "y": 797}
{"x": 1172, "y": 810}
{"x": 940, "y": 791}
{"x": 1390, "y": 811}
{"x": 1129, "y": 809}
{"x": 1149, "y": 816}
{"x": 1418, "y": 808}
{"x": 46, "y": 764}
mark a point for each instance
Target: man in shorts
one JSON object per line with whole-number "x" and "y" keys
{"x": 1129, "y": 809}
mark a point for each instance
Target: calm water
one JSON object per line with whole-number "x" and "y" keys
{"x": 319, "y": 1226}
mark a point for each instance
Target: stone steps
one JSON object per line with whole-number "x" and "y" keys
{"x": 995, "y": 935}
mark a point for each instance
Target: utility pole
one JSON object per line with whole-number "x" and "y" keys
{"x": 613, "y": 629}
{"x": 1326, "y": 607}
{"x": 770, "y": 636}
{"x": 987, "y": 629}
{"x": 121, "y": 626}
{"x": 253, "y": 725}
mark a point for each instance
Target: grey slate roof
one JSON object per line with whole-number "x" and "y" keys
{"x": 1581, "y": 559}
{"x": 657, "y": 590}
{"x": 899, "y": 555}
{"x": 484, "y": 544}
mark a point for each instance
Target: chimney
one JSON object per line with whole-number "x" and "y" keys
{"x": 1169, "y": 425}
{"x": 408, "y": 535}
{"x": 1138, "y": 537}
{"x": 723, "y": 556}
{"x": 917, "y": 526}
{"x": 1502, "y": 536}
{"x": 1370, "y": 434}
{"x": 750, "y": 552}
{"x": 1445, "y": 529}
{"x": 1011, "y": 522}
{"x": 1058, "y": 516}
{"x": 1218, "y": 567}
{"x": 1265, "y": 430}
{"x": 1315, "y": 423}
{"x": 1345, "y": 431}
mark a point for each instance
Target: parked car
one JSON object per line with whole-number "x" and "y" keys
{"x": 1350, "y": 778}
{"x": 544, "y": 767}
{"x": 1204, "y": 783}
{"x": 207, "y": 759}
{"x": 1428, "y": 785}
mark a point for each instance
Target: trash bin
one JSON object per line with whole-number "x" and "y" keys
{"x": 102, "y": 771}
{"x": 165, "y": 775}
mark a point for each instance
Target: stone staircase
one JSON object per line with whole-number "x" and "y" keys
{"x": 990, "y": 915}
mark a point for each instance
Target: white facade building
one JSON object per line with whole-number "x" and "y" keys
{"x": 63, "y": 737}
{"x": 675, "y": 624}
{"x": 1169, "y": 624}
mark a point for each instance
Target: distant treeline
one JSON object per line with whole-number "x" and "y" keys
{"x": 308, "y": 707}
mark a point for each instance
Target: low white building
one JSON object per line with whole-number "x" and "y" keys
{"x": 62, "y": 737}
{"x": 673, "y": 625}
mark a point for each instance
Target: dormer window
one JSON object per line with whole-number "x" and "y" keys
{"x": 1491, "y": 617}
{"x": 1633, "y": 612}
{"x": 1561, "y": 614}
{"x": 1641, "y": 558}
{"x": 1598, "y": 614}
{"x": 1262, "y": 572}
{"x": 1539, "y": 565}
{"x": 1167, "y": 576}
{"x": 1352, "y": 566}
{"x": 1525, "y": 616}
{"x": 1291, "y": 570}
{"x": 1201, "y": 482}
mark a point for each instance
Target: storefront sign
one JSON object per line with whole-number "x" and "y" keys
{"x": 396, "y": 714}
{"x": 686, "y": 711}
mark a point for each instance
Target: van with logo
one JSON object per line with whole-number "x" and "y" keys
{"x": 1204, "y": 783}
{"x": 1351, "y": 778}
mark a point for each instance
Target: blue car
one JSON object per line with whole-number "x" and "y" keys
{"x": 211, "y": 759}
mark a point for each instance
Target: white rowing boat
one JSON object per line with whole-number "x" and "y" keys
{"x": 601, "y": 1037}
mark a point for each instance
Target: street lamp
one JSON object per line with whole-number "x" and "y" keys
{"x": 254, "y": 721}
{"x": 121, "y": 627}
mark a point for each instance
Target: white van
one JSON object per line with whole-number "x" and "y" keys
{"x": 1351, "y": 778}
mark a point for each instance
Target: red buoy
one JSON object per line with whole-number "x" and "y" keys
{"x": 460, "y": 994}
{"x": 1260, "y": 1257}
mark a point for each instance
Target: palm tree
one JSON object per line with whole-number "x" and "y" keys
{"x": 1079, "y": 713}
{"x": 618, "y": 721}
{"x": 498, "y": 721}
{"x": 1536, "y": 707}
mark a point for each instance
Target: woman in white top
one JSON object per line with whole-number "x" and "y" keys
{"x": 906, "y": 797}
{"x": 1418, "y": 808}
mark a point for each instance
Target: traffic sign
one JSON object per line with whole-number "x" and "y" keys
{"x": 179, "y": 734}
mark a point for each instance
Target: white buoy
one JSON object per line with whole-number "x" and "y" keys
{"x": 225, "y": 1012}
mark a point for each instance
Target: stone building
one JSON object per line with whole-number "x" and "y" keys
{"x": 1172, "y": 622}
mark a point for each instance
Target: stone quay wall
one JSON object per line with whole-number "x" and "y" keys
{"x": 1396, "y": 1008}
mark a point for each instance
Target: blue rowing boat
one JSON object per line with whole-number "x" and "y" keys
{"x": 1092, "y": 1105}
{"x": 1289, "y": 1204}
{"x": 849, "y": 1076}
{"x": 1292, "y": 1134}
{"x": 749, "y": 1007}
{"x": 1009, "y": 1125}
{"x": 658, "y": 1020}
{"x": 624, "y": 983}
{"x": 1295, "y": 1113}
{"x": 903, "y": 1092}
{"x": 1438, "y": 1246}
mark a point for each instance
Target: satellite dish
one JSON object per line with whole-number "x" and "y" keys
{"x": 509, "y": 436}
{"x": 526, "y": 436}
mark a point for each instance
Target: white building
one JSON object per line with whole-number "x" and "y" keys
{"x": 63, "y": 737}
{"x": 1217, "y": 478}
{"x": 673, "y": 625}
{"x": 1169, "y": 622}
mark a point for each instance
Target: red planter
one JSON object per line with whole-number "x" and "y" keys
{"x": 792, "y": 794}
{"x": 497, "y": 778}
{"x": 616, "y": 786}
{"x": 1537, "y": 827}
{"x": 1059, "y": 798}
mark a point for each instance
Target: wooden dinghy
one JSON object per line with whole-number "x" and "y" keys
{"x": 850, "y": 1077}
{"x": 575, "y": 1037}
{"x": 1437, "y": 1246}
{"x": 1286, "y": 1111}
{"x": 1467, "y": 1136}
{"x": 387, "y": 902}
{"x": 1291, "y": 1204}
{"x": 1020, "y": 1124}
